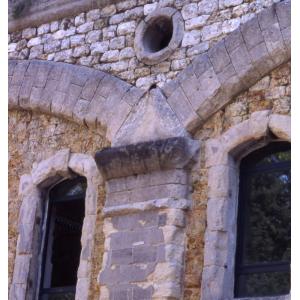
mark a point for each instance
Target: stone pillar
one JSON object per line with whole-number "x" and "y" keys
{"x": 147, "y": 187}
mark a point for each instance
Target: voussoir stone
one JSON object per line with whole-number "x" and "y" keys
{"x": 51, "y": 167}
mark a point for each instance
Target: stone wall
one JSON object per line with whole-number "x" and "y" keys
{"x": 270, "y": 93}
{"x": 104, "y": 38}
{"x": 34, "y": 137}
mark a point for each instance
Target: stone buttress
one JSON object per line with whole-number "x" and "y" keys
{"x": 147, "y": 197}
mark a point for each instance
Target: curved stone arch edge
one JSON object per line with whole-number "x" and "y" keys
{"x": 77, "y": 93}
{"x": 42, "y": 176}
{"x": 222, "y": 160}
{"x": 231, "y": 66}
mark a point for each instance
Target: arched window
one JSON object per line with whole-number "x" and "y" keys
{"x": 262, "y": 264}
{"x": 61, "y": 246}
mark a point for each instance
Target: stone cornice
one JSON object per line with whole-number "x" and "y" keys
{"x": 146, "y": 157}
{"x": 53, "y": 10}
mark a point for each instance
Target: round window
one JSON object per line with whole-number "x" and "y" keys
{"x": 158, "y": 35}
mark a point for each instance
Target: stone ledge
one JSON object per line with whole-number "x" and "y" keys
{"x": 171, "y": 153}
{"x": 147, "y": 205}
{"x": 45, "y": 12}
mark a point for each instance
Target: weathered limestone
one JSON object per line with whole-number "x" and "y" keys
{"x": 144, "y": 228}
{"x": 232, "y": 65}
{"x": 141, "y": 41}
{"x": 222, "y": 156}
{"x": 76, "y": 93}
{"x": 43, "y": 175}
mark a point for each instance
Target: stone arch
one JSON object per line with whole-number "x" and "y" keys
{"x": 231, "y": 66}
{"x": 222, "y": 160}
{"x": 80, "y": 94}
{"x": 43, "y": 175}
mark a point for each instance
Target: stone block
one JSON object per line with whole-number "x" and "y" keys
{"x": 157, "y": 192}
{"x": 183, "y": 109}
{"x": 90, "y": 86}
{"x": 77, "y": 40}
{"x": 230, "y": 25}
{"x": 219, "y": 181}
{"x": 173, "y": 253}
{"x": 57, "y": 164}
{"x": 243, "y": 65}
{"x": 196, "y": 22}
{"x": 17, "y": 291}
{"x": 175, "y": 217}
{"x": 144, "y": 254}
{"x": 93, "y": 15}
{"x": 34, "y": 42}
{"x": 286, "y": 34}
{"x": 212, "y": 282}
{"x": 169, "y": 176}
{"x": 21, "y": 270}
{"x": 118, "y": 198}
{"x": 140, "y": 293}
{"x": 173, "y": 235}
{"x": 121, "y": 257}
{"x": 72, "y": 96}
{"x": 42, "y": 75}
{"x": 126, "y": 28}
{"x": 167, "y": 290}
{"x": 219, "y": 57}
{"x": 19, "y": 73}
{"x": 201, "y": 64}
{"x": 134, "y": 273}
{"x": 262, "y": 59}
{"x": 267, "y": 17}
{"x": 43, "y": 29}
{"x": 215, "y": 153}
{"x": 147, "y": 236}
{"x": 211, "y": 31}
{"x": 275, "y": 44}
{"x": 13, "y": 95}
{"x": 36, "y": 52}
{"x": 280, "y": 125}
{"x": 135, "y": 221}
{"x": 81, "y": 51}
{"x": 117, "y": 43}
{"x": 133, "y": 95}
{"x": 85, "y": 27}
{"x": 11, "y": 67}
{"x": 82, "y": 289}
{"x": 251, "y": 33}
{"x": 283, "y": 12}
{"x": 233, "y": 40}
{"x": 259, "y": 123}
{"x": 84, "y": 269}
{"x": 25, "y": 92}
{"x": 191, "y": 38}
{"x": 190, "y": 11}
{"x": 110, "y": 56}
{"x": 121, "y": 292}
{"x": 217, "y": 214}
{"x": 25, "y": 238}
{"x": 91, "y": 198}
{"x": 80, "y": 110}
{"x": 28, "y": 33}
{"x": 93, "y": 36}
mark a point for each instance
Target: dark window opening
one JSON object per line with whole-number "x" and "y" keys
{"x": 64, "y": 214}
{"x": 263, "y": 251}
{"x": 158, "y": 35}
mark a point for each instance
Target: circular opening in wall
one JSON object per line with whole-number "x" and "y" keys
{"x": 158, "y": 35}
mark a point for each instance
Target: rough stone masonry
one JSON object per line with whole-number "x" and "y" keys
{"x": 76, "y": 82}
